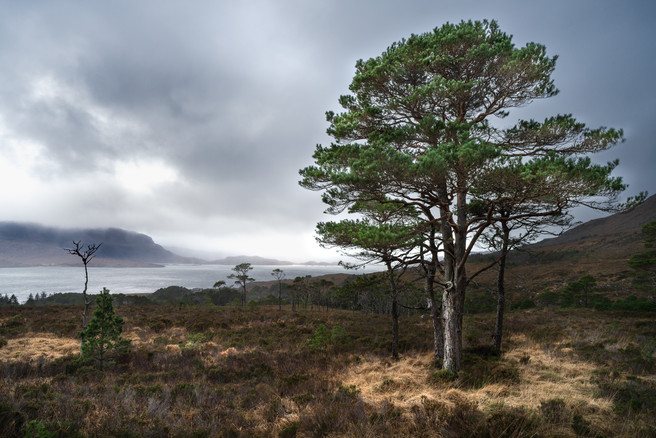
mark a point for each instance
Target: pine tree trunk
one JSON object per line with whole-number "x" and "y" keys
{"x": 436, "y": 312}
{"x": 454, "y": 292}
{"x": 395, "y": 329}
{"x": 279, "y": 295}
{"x": 501, "y": 289}
{"x": 501, "y": 304}
{"x": 394, "y": 310}
{"x": 451, "y": 349}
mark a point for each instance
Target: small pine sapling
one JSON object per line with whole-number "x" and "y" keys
{"x": 102, "y": 337}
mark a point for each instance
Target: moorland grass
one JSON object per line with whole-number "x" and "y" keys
{"x": 226, "y": 371}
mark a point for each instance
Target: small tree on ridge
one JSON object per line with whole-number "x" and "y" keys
{"x": 241, "y": 278}
{"x": 279, "y": 274}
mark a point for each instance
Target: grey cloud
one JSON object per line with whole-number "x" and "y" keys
{"x": 232, "y": 94}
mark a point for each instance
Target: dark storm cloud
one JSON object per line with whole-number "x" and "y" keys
{"x": 231, "y": 95}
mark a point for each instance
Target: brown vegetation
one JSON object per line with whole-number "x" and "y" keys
{"x": 224, "y": 371}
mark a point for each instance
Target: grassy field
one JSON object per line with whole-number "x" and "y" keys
{"x": 224, "y": 371}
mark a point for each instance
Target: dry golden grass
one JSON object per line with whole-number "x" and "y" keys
{"x": 549, "y": 370}
{"x": 38, "y": 346}
{"x": 402, "y": 381}
{"x": 405, "y": 382}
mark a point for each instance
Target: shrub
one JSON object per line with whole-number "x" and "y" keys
{"x": 480, "y": 301}
{"x": 13, "y": 326}
{"x": 634, "y": 303}
{"x": 323, "y": 338}
{"x": 577, "y": 293}
{"x": 523, "y": 304}
{"x": 337, "y": 333}
{"x": 36, "y": 429}
{"x": 600, "y": 302}
{"x": 548, "y": 298}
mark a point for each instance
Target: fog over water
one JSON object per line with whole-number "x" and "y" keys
{"x": 23, "y": 281}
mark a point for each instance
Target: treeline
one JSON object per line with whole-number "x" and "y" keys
{"x": 360, "y": 293}
{"x": 583, "y": 293}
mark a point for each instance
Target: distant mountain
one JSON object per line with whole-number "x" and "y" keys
{"x": 313, "y": 263}
{"x": 24, "y": 244}
{"x": 253, "y": 260}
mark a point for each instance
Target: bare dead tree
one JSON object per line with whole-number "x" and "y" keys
{"x": 86, "y": 255}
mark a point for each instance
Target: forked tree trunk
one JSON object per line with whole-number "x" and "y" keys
{"x": 430, "y": 271}
{"x": 456, "y": 285}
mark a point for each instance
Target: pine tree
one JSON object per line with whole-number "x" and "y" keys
{"x": 241, "y": 278}
{"x": 102, "y": 336}
{"x": 418, "y": 129}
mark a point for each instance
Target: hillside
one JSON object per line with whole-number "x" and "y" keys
{"x": 600, "y": 247}
{"x": 35, "y": 245}
{"x": 622, "y": 228}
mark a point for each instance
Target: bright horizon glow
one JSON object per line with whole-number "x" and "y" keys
{"x": 142, "y": 177}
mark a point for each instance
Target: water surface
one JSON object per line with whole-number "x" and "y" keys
{"x": 24, "y": 281}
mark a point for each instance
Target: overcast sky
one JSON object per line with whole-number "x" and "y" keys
{"x": 189, "y": 120}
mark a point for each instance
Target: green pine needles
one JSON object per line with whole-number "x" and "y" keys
{"x": 102, "y": 337}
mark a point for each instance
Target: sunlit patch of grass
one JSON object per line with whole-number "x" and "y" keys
{"x": 403, "y": 381}
{"x": 38, "y": 346}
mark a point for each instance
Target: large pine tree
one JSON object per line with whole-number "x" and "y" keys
{"x": 419, "y": 129}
